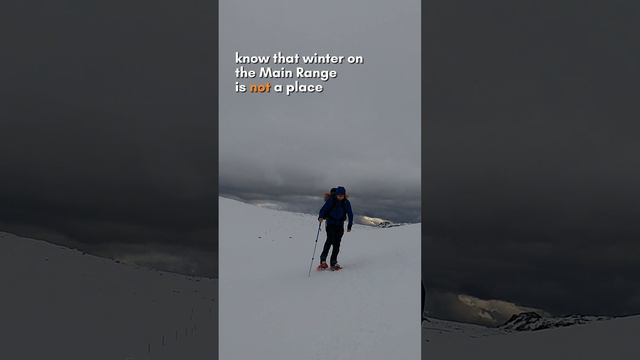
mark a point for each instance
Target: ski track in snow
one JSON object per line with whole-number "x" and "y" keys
{"x": 60, "y": 304}
{"x": 271, "y": 309}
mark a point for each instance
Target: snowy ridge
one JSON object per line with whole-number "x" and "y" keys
{"x": 531, "y": 321}
{"x": 364, "y": 312}
{"x": 443, "y": 331}
{"x": 388, "y": 224}
{"x": 594, "y": 340}
{"x": 61, "y": 304}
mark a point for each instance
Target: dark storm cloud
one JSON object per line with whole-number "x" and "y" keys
{"x": 398, "y": 205}
{"x": 108, "y": 122}
{"x": 530, "y": 153}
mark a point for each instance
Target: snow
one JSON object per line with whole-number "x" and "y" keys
{"x": 531, "y": 321}
{"x": 438, "y": 332}
{"x": 271, "y": 309}
{"x": 605, "y": 339}
{"x": 60, "y": 304}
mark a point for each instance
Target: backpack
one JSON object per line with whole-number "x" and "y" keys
{"x": 332, "y": 195}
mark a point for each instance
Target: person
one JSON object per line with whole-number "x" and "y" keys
{"x": 335, "y": 211}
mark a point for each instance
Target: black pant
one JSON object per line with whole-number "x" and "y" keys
{"x": 334, "y": 235}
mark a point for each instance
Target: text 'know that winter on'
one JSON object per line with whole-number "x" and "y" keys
{"x": 287, "y": 74}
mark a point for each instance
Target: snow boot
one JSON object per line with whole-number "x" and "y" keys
{"x": 336, "y": 267}
{"x": 323, "y": 265}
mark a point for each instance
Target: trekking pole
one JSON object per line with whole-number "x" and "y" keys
{"x": 314, "y": 248}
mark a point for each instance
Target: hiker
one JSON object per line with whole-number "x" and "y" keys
{"x": 335, "y": 211}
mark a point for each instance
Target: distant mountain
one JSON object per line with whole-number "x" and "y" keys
{"x": 614, "y": 338}
{"x": 387, "y": 224}
{"x": 531, "y": 321}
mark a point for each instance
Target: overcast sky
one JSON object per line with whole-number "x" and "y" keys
{"x": 108, "y": 131}
{"x": 531, "y": 166}
{"x": 362, "y": 132}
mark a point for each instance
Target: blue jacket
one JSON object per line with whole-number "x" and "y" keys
{"x": 336, "y": 214}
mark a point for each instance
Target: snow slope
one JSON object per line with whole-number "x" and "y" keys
{"x": 606, "y": 339}
{"x": 439, "y": 332}
{"x": 60, "y": 304}
{"x": 271, "y": 309}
